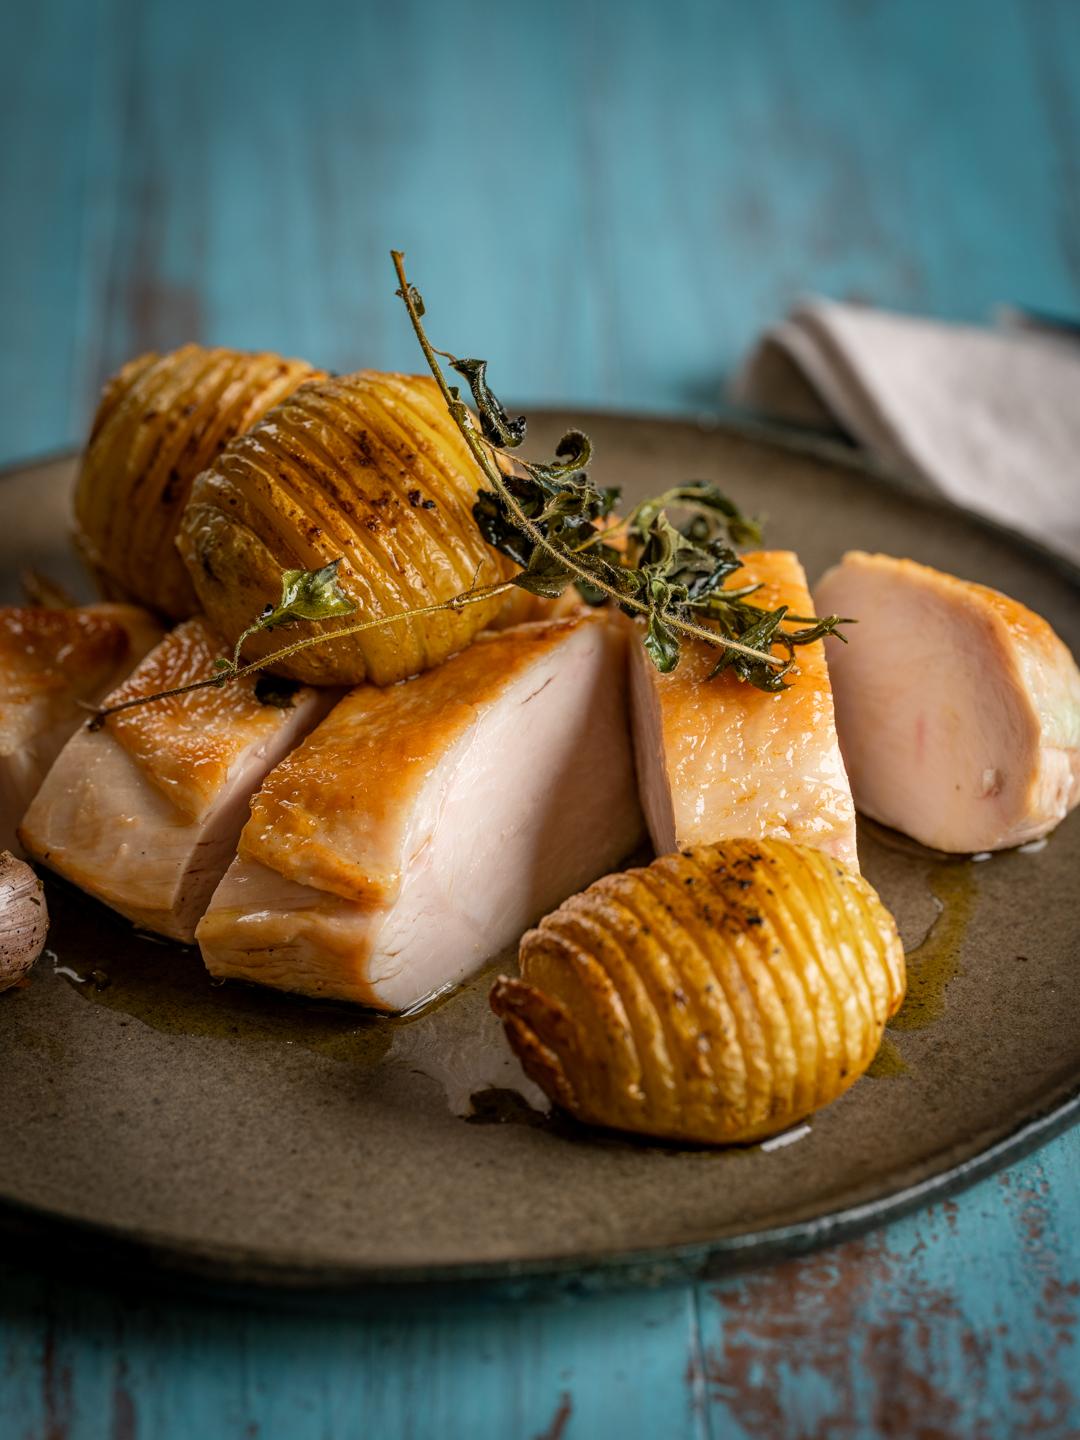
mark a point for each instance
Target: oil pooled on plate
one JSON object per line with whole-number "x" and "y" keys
{"x": 936, "y": 960}
{"x": 933, "y": 898}
{"x": 456, "y": 1041}
{"x": 888, "y": 1063}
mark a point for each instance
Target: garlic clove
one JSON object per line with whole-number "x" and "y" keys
{"x": 24, "y": 919}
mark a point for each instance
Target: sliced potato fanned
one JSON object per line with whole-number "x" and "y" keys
{"x": 368, "y": 468}
{"x": 162, "y": 419}
{"x": 719, "y": 995}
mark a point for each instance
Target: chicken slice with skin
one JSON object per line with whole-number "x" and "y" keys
{"x": 422, "y": 828}
{"x": 718, "y": 759}
{"x": 145, "y": 813}
{"x": 958, "y": 708}
{"x": 51, "y": 659}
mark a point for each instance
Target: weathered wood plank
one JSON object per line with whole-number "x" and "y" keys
{"x": 654, "y": 183}
{"x": 76, "y": 1365}
{"x": 960, "y": 1322}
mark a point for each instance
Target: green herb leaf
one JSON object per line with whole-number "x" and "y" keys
{"x": 572, "y": 455}
{"x": 756, "y": 628}
{"x": 548, "y": 517}
{"x": 710, "y": 514}
{"x": 309, "y": 595}
{"x": 662, "y": 644}
{"x": 495, "y": 424}
{"x": 305, "y": 595}
{"x": 818, "y": 629}
{"x": 544, "y": 575}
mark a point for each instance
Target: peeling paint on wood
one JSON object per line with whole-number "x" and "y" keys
{"x": 557, "y": 1429}
{"x": 236, "y": 172}
{"x": 940, "y": 1326}
{"x": 960, "y": 1323}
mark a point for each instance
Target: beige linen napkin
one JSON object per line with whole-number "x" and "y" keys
{"x": 989, "y": 418}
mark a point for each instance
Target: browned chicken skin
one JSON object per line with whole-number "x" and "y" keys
{"x": 718, "y": 758}
{"x": 145, "y": 813}
{"x": 422, "y": 827}
{"x": 53, "y": 663}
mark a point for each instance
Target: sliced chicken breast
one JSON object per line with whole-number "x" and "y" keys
{"x": 50, "y": 661}
{"x": 422, "y": 828}
{"x": 958, "y": 708}
{"x": 145, "y": 813}
{"x": 718, "y": 759}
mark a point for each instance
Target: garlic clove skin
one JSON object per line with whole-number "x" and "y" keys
{"x": 24, "y": 919}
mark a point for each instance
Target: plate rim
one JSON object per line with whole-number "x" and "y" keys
{"x": 229, "y": 1269}
{"x": 792, "y": 438}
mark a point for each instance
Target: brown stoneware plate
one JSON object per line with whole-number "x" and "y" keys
{"x": 248, "y": 1137}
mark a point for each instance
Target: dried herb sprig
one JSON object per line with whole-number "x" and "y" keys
{"x": 561, "y": 529}
{"x": 228, "y": 670}
{"x": 548, "y": 518}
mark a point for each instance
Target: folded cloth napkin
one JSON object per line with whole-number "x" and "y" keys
{"x": 989, "y": 418}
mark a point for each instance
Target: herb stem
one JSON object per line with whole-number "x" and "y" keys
{"x": 480, "y": 449}
{"x": 232, "y": 671}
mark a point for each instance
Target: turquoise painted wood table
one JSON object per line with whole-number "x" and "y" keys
{"x": 608, "y": 200}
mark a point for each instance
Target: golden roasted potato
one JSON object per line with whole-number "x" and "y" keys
{"x": 719, "y": 995}
{"x": 368, "y": 467}
{"x": 161, "y": 420}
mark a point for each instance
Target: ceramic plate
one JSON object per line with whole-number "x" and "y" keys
{"x": 249, "y": 1137}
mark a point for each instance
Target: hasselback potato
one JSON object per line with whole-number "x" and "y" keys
{"x": 161, "y": 420}
{"x": 367, "y": 467}
{"x": 719, "y": 995}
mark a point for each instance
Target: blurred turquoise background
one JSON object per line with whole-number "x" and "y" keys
{"x": 608, "y": 200}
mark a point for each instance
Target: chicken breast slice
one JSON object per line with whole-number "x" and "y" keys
{"x": 958, "y": 708}
{"x": 422, "y": 828}
{"x": 145, "y": 813}
{"x": 718, "y": 759}
{"x": 53, "y": 662}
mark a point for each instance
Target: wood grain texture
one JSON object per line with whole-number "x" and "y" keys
{"x": 960, "y": 1322}
{"x": 657, "y": 182}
